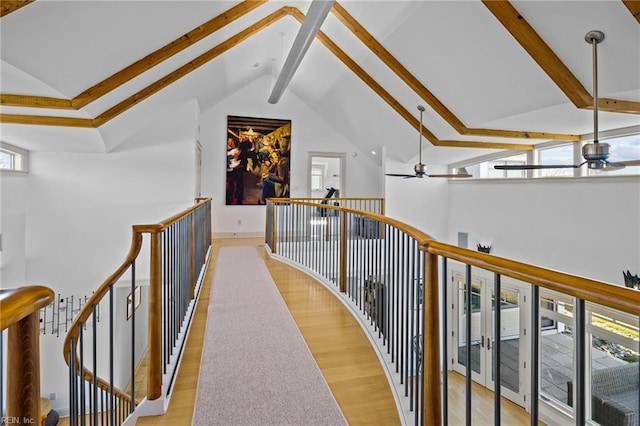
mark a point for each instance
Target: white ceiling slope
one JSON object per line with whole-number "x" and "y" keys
{"x": 458, "y": 50}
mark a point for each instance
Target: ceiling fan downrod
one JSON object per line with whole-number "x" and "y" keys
{"x": 595, "y": 152}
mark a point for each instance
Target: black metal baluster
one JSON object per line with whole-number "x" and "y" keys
{"x": 95, "y": 365}
{"x": 468, "y": 344}
{"x": 496, "y": 349}
{"x": 73, "y": 420}
{"x": 535, "y": 353}
{"x": 580, "y": 342}
{"x": 412, "y": 322}
{"x": 133, "y": 337}
{"x": 111, "y": 374}
{"x": 445, "y": 340}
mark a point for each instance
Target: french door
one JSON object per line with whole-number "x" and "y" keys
{"x": 513, "y": 343}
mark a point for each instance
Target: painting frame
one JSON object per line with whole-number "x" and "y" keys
{"x": 257, "y": 161}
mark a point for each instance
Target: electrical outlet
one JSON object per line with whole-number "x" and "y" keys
{"x": 239, "y": 221}
{"x": 52, "y": 396}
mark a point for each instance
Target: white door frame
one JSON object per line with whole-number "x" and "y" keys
{"x": 486, "y": 279}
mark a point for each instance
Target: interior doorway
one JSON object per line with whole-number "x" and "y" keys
{"x": 326, "y": 171}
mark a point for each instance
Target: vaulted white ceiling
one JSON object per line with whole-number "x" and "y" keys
{"x": 458, "y": 50}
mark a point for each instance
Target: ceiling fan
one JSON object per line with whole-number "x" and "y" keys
{"x": 595, "y": 154}
{"x": 420, "y": 169}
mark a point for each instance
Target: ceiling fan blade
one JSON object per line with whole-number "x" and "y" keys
{"x": 400, "y": 175}
{"x": 630, "y": 163}
{"x": 536, "y": 166}
{"x": 452, "y": 175}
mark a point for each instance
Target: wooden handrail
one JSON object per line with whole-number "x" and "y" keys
{"x": 155, "y": 368}
{"x": 83, "y": 316}
{"x": 610, "y": 295}
{"x": 19, "y": 313}
{"x": 606, "y": 294}
{"x": 18, "y": 303}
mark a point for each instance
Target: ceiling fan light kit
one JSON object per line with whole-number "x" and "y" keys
{"x": 596, "y": 153}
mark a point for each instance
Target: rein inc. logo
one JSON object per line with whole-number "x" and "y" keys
{"x": 18, "y": 421}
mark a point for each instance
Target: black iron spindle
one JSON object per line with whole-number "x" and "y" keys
{"x": 468, "y": 301}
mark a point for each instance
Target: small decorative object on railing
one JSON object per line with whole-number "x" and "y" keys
{"x": 631, "y": 281}
{"x": 61, "y": 313}
{"x": 484, "y": 249}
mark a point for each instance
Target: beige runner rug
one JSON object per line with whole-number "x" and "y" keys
{"x": 256, "y": 368}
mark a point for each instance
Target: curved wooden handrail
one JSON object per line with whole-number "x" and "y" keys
{"x": 18, "y": 303}
{"x": 96, "y": 297}
{"x": 103, "y": 289}
{"x": 421, "y": 237}
{"x": 610, "y": 295}
{"x": 607, "y": 294}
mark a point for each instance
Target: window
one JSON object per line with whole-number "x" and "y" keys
{"x": 486, "y": 168}
{"x": 317, "y": 173}
{"x": 623, "y": 148}
{"x": 13, "y": 158}
{"x": 562, "y": 155}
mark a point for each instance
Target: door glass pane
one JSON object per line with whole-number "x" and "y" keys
{"x": 556, "y": 357}
{"x": 509, "y": 338}
{"x": 475, "y": 324}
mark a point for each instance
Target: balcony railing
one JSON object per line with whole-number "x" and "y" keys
{"x": 388, "y": 272}
{"x": 140, "y": 312}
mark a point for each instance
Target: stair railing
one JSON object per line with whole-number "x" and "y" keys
{"x": 19, "y": 309}
{"x": 111, "y": 338}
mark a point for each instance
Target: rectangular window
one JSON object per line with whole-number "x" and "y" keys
{"x": 13, "y": 158}
{"x": 623, "y": 148}
{"x": 317, "y": 178}
{"x": 560, "y": 155}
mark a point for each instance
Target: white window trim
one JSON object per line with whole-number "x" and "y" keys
{"x": 533, "y": 157}
{"x": 23, "y": 158}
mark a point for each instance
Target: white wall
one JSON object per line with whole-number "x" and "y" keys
{"x": 421, "y": 203}
{"x": 13, "y": 193}
{"x": 75, "y": 211}
{"x": 309, "y": 132}
{"x": 588, "y": 227}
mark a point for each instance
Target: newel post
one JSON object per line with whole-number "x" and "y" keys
{"x": 154, "y": 368}
{"x": 23, "y": 360}
{"x": 431, "y": 346}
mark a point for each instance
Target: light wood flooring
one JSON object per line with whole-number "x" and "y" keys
{"x": 338, "y": 345}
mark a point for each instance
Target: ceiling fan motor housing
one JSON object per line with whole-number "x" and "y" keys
{"x": 596, "y": 154}
{"x": 420, "y": 169}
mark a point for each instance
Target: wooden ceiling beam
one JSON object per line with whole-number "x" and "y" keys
{"x": 42, "y": 120}
{"x": 155, "y": 87}
{"x": 393, "y": 103}
{"x": 546, "y": 58}
{"x": 618, "y": 105}
{"x": 165, "y": 52}
{"x": 540, "y": 52}
{"x": 190, "y": 66}
{"x": 410, "y": 80}
{"x": 138, "y": 67}
{"x": 634, "y": 8}
{"x": 8, "y": 6}
{"x": 35, "y": 102}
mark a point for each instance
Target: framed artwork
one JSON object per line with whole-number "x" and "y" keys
{"x": 133, "y": 303}
{"x": 258, "y": 152}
